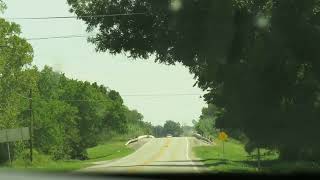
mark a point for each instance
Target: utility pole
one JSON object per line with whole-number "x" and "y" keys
{"x": 8, "y": 148}
{"x": 9, "y": 153}
{"x": 223, "y": 149}
{"x": 259, "y": 159}
{"x": 31, "y": 125}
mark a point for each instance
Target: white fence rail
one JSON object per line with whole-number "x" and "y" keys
{"x": 138, "y": 138}
{"x": 198, "y": 136}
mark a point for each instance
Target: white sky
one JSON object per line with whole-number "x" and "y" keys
{"x": 78, "y": 60}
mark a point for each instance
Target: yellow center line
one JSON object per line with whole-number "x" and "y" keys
{"x": 154, "y": 157}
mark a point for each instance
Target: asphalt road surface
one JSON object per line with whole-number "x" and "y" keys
{"x": 159, "y": 155}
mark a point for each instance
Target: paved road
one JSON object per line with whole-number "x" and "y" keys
{"x": 159, "y": 155}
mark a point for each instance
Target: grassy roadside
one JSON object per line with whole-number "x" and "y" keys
{"x": 237, "y": 160}
{"x": 232, "y": 161}
{"x": 107, "y": 151}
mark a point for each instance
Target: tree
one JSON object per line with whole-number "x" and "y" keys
{"x": 96, "y": 112}
{"x": 158, "y": 131}
{"x": 210, "y": 111}
{"x": 15, "y": 54}
{"x": 187, "y": 130}
{"x": 69, "y": 115}
{"x": 2, "y": 6}
{"x": 259, "y": 60}
{"x": 56, "y": 130}
{"x": 206, "y": 125}
{"x": 173, "y": 128}
{"x": 73, "y": 115}
{"x": 135, "y": 124}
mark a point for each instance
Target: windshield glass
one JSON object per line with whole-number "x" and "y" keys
{"x": 149, "y": 86}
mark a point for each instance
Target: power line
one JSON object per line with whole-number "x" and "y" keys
{"x": 51, "y": 37}
{"x": 57, "y": 37}
{"x": 82, "y": 100}
{"x": 131, "y": 95}
{"x": 155, "y": 95}
{"x": 128, "y": 95}
{"x": 74, "y": 17}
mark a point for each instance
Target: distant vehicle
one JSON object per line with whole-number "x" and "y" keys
{"x": 169, "y": 135}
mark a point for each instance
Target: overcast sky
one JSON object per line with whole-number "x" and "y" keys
{"x": 78, "y": 60}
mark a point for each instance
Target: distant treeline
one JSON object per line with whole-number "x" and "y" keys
{"x": 169, "y": 128}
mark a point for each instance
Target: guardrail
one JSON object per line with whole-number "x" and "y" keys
{"x": 198, "y": 136}
{"x": 138, "y": 138}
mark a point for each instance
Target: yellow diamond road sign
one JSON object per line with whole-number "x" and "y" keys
{"x": 223, "y": 136}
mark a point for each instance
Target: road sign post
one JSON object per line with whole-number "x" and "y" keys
{"x": 31, "y": 125}
{"x": 223, "y": 149}
{"x": 259, "y": 163}
{"x": 9, "y": 153}
{"x": 8, "y": 148}
{"x": 12, "y": 135}
{"x": 223, "y": 137}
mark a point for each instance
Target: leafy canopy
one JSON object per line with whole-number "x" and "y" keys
{"x": 259, "y": 60}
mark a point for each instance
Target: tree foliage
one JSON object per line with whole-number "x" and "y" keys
{"x": 15, "y": 54}
{"x": 2, "y": 6}
{"x": 158, "y": 131}
{"x": 259, "y": 60}
{"x": 69, "y": 115}
{"x": 206, "y": 125}
{"x": 169, "y": 127}
{"x": 173, "y": 128}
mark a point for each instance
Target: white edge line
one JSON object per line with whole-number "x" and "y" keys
{"x": 188, "y": 158}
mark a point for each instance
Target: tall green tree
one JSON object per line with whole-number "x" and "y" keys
{"x": 206, "y": 125}
{"x": 69, "y": 115}
{"x": 158, "y": 131}
{"x": 259, "y": 60}
{"x": 173, "y": 128}
{"x": 56, "y": 130}
{"x": 15, "y": 54}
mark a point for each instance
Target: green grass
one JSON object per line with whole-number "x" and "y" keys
{"x": 107, "y": 151}
{"x": 230, "y": 161}
{"x": 237, "y": 160}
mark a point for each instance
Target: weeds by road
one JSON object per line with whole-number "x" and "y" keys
{"x": 237, "y": 160}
